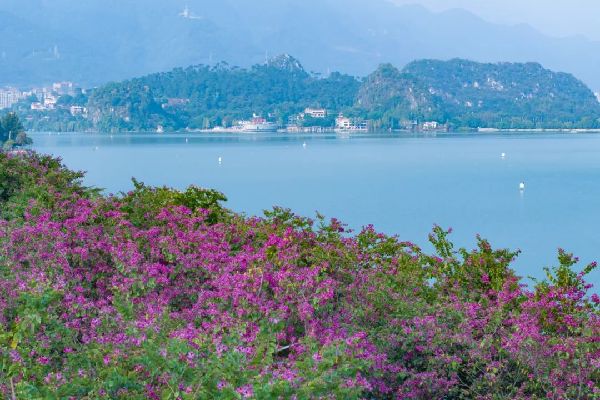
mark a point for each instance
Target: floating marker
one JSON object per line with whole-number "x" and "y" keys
{"x": 522, "y": 186}
{"x": 503, "y": 155}
{"x": 220, "y": 160}
{"x": 304, "y": 144}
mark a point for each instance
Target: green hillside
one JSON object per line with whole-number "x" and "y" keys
{"x": 457, "y": 93}
{"x": 466, "y": 94}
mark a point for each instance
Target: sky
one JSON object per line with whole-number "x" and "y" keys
{"x": 558, "y": 18}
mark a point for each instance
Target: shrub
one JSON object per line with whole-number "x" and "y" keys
{"x": 163, "y": 294}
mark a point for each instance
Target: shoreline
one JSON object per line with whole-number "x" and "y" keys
{"x": 483, "y": 131}
{"x": 540, "y": 130}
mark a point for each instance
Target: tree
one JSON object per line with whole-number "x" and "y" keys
{"x": 12, "y": 132}
{"x": 22, "y": 139}
{"x": 11, "y": 126}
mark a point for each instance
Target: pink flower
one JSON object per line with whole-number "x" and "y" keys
{"x": 246, "y": 391}
{"x": 485, "y": 278}
{"x": 43, "y": 360}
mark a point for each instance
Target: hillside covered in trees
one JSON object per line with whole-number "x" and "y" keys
{"x": 204, "y": 97}
{"x": 469, "y": 94}
{"x": 459, "y": 93}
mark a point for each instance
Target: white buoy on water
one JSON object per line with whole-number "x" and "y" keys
{"x": 503, "y": 155}
{"x": 522, "y": 186}
{"x": 220, "y": 160}
{"x": 304, "y": 144}
{"x": 186, "y": 140}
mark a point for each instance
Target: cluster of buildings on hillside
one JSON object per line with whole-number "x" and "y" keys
{"x": 300, "y": 122}
{"x": 9, "y": 96}
{"x": 43, "y": 98}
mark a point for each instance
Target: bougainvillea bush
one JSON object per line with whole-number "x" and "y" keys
{"x": 160, "y": 294}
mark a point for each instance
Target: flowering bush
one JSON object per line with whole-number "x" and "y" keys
{"x": 167, "y": 295}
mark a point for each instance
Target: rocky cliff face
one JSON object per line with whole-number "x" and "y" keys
{"x": 388, "y": 88}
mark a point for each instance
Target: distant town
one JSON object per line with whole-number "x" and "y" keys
{"x": 44, "y": 98}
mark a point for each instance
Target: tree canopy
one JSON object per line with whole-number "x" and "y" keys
{"x": 12, "y": 132}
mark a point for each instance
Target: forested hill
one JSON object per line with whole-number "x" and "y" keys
{"x": 470, "y": 94}
{"x": 202, "y": 96}
{"x": 460, "y": 93}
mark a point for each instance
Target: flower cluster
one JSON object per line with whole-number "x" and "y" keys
{"x": 193, "y": 301}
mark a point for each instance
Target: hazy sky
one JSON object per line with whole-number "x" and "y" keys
{"x": 553, "y": 17}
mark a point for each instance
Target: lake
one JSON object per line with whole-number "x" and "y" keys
{"x": 400, "y": 183}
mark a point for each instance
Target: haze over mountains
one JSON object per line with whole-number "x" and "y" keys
{"x": 96, "y": 41}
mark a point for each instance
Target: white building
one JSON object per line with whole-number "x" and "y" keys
{"x": 78, "y": 110}
{"x": 431, "y": 125}
{"x": 597, "y": 95}
{"x": 316, "y": 112}
{"x": 342, "y": 122}
{"x": 63, "y": 88}
{"x": 50, "y": 101}
{"x": 347, "y": 124}
{"x": 8, "y": 97}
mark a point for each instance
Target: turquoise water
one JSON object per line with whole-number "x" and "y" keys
{"x": 402, "y": 184}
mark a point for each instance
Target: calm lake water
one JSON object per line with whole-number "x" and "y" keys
{"x": 402, "y": 184}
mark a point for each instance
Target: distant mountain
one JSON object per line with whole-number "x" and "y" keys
{"x": 457, "y": 93}
{"x": 30, "y": 53}
{"x": 104, "y": 40}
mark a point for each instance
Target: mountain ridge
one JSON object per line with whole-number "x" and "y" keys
{"x": 120, "y": 40}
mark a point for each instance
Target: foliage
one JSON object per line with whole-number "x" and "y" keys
{"x": 12, "y": 132}
{"x": 101, "y": 300}
{"x": 144, "y": 203}
{"x": 27, "y": 177}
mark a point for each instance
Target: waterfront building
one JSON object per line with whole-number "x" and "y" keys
{"x": 342, "y": 122}
{"x": 258, "y": 124}
{"x": 347, "y": 124}
{"x": 430, "y": 126}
